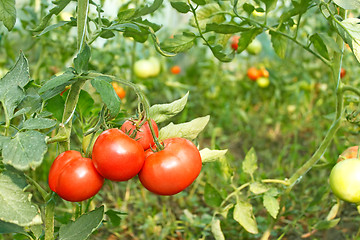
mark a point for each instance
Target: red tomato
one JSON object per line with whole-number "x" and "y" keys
{"x": 350, "y": 152}
{"x": 119, "y": 90}
{"x": 235, "y": 42}
{"x": 73, "y": 177}
{"x": 116, "y": 156}
{"x": 175, "y": 69}
{"x": 172, "y": 169}
{"x": 342, "y": 73}
{"x": 143, "y": 135}
{"x": 253, "y": 73}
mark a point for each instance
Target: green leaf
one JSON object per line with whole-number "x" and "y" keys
{"x": 60, "y": 5}
{"x": 6, "y": 227}
{"x": 3, "y": 140}
{"x": 330, "y": 42}
{"x": 107, "y": 94}
{"x": 12, "y": 98}
{"x": 279, "y": 44}
{"x": 8, "y": 13}
{"x": 248, "y": 8}
{"x": 199, "y": 2}
{"x": 85, "y": 103}
{"x": 270, "y": 4}
{"x": 180, "y": 43}
{"x": 82, "y": 227}
{"x": 60, "y": 82}
{"x": 189, "y": 130}
{"x": 148, "y": 9}
{"x": 243, "y": 214}
{"x": 55, "y": 106}
{"x": 348, "y": 4}
{"x": 125, "y": 15}
{"x": 26, "y": 150}
{"x": 324, "y": 224}
{"x": 249, "y": 165}
{"x": 115, "y": 216}
{"x": 224, "y": 28}
{"x": 162, "y": 112}
{"x": 217, "y": 50}
{"x": 52, "y": 27}
{"x": 216, "y": 229}
{"x": 247, "y": 37}
{"x": 271, "y": 203}
{"x": 15, "y": 205}
{"x": 319, "y": 45}
{"x": 181, "y": 7}
{"x": 81, "y": 61}
{"x": 211, "y": 196}
{"x": 39, "y": 123}
{"x": 208, "y": 155}
{"x": 258, "y": 188}
{"x": 351, "y": 25}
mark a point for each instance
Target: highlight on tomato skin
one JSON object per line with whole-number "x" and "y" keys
{"x": 73, "y": 177}
{"x": 173, "y": 169}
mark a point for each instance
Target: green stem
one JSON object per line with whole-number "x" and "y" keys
{"x": 82, "y": 15}
{"x": 351, "y": 89}
{"x": 7, "y": 120}
{"x": 49, "y": 220}
{"x": 43, "y": 193}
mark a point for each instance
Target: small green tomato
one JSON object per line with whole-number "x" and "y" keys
{"x": 143, "y": 68}
{"x": 263, "y": 82}
{"x": 345, "y": 180}
{"x": 254, "y": 47}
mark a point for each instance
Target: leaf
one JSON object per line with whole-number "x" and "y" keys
{"x": 162, "y": 112}
{"x": 211, "y": 196}
{"x": 26, "y": 150}
{"x": 6, "y": 227}
{"x": 180, "y": 43}
{"x": 85, "y": 103}
{"x": 333, "y": 212}
{"x": 258, "y": 188}
{"x": 351, "y": 25}
{"x": 15, "y": 205}
{"x": 52, "y": 27}
{"x": 247, "y": 37}
{"x": 8, "y": 13}
{"x": 82, "y": 227}
{"x": 224, "y": 28}
{"x": 217, "y": 50}
{"x": 181, "y": 7}
{"x": 319, "y": 45}
{"x": 243, "y": 214}
{"x": 107, "y": 94}
{"x": 39, "y": 123}
{"x": 271, "y": 203}
{"x": 208, "y": 155}
{"x": 82, "y": 60}
{"x": 279, "y": 44}
{"x": 115, "y": 216}
{"x": 348, "y": 4}
{"x": 148, "y": 9}
{"x": 59, "y": 81}
{"x": 189, "y": 130}
{"x": 199, "y": 2}
{"x": 324, "y": 224}
{"x": 249, "y": 165}
{"x": 3, "y": 140}
{"x": 216, "y": 229}
{"x": 270, "y": 4}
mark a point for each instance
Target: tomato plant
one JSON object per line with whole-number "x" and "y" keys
{"x": 116, "y": 156}
{"x": 73, "y": 177}
{"x": 345, "y": 180}
{"x": 171, "y": 170}
{"x": 140, "y": 131}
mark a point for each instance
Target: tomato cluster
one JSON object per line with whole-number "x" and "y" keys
{"x": 121, "y": 154}
{"x": 261, "y": 76}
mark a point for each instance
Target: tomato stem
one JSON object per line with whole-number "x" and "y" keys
{"x": 49, "y": 219}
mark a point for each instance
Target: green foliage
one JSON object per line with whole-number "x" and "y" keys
{"x": 8, "y": 13}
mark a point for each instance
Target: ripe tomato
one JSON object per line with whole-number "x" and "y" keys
{"x": 119, "y": 90}
{"x": 342, "y": 73}
{"x": 351, "y": 152}
{"x": 116, "y": 156}
{"x": 263, "y": 82}
{"x": 73, "y": 177}
{"x": 235, "y": 42}
{"x": 172, "y": 169}
{"x": 254, "y": 47}
{"x": 253, "y": 73}
{"x": 264, "y": 72}
{"x": 345, "y": 180}
{"x": 143, "y": 135}
{"x": 175, "y": 69}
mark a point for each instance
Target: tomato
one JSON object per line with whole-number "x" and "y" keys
{"x": 73, "y": 177}
{"x": 143, "y": 135}
{"x": 264, "y": 72}
{"x": 254, "y": 47}
{"x": 119, "y": 90}
{"x": 175, "y": 69}
{"x": 345, "y": 180}
{"x": 253, "y": 73}
{"x": 172, "y": 169}
{"x": 145, "y": 68}
{"x": 235, "y": 42}
{"x": 116, "y": 156}
{"x": 263, "y": 82}
{"x": 351, "y": 152}
{"x": 342, "y": 73}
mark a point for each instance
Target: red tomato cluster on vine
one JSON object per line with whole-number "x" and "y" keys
{"x": 261, "y": 76}
{"x": 121, "y": 154}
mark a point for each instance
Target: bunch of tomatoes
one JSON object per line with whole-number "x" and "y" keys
{"x": 165, "y": 168}
{"x": 260, "y": 76}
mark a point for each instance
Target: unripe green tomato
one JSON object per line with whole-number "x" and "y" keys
{"x": 86, "y": 142}
{"x": 254, "y": 47}
{"x": 156, "y": 66}
{"x": 345, "y": 180}
{"x": 143, "y": 68}
{"x": 263, "y": 82}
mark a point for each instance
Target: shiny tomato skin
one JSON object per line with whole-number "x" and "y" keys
{"x": 116, "y": 156}
{"x": 172, "y": 169}
{"x": 143, "y": 136}
{"x": 73, "y": 177}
